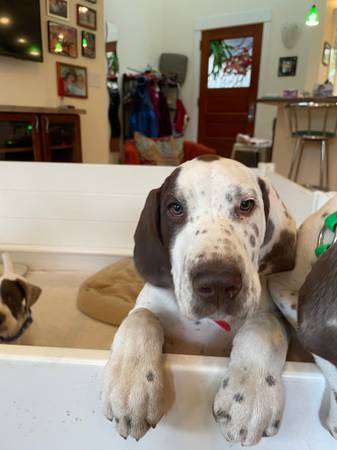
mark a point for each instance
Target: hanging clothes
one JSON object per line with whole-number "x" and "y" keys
{"x": 165, "y": 123}
{"x": 143, "y": 119}
{"x": 114, "y": 103}
{"x": 181, "y": 117}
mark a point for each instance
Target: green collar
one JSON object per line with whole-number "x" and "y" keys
{"x": 328, "y": 235}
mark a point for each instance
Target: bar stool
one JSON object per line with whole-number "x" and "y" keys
{"x": 316, "y": 123}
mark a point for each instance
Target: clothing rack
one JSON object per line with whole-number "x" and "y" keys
{"x": 167, "y": 84}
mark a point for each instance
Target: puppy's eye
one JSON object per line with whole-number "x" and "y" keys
{"x": 247, "y": 206}
{"x": 176, "y": 209}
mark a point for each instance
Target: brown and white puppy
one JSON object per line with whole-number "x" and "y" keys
{"x": 203, "y": 241}
{"x": 307, "y": 296}
{"x": 16, "y": 298}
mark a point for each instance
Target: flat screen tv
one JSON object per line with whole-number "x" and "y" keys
{"x": 20, "y": 29}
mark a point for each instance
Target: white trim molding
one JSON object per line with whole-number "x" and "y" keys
{"x": 235, "y": 19}
{"x": 223, "y": 21}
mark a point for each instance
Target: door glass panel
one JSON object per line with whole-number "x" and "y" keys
{"x": 230, "y": 63}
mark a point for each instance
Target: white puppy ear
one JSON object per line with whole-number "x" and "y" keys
{"x": 278, "y": 250}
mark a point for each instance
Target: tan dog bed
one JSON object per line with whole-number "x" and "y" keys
{"x": 110, "y": 294}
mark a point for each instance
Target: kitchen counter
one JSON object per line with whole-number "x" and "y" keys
{"x": 275, "y": 101}
{"x": 284, "y": 144}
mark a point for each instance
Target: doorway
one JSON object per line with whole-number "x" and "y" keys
{"x": 230, "y": 66}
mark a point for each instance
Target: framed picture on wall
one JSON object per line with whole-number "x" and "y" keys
{"x": 88, "y": 44}
{"x": 326, "y": 55}
{"x": 72, "y": 81}
{"x": 86, "y": 17}
{"x": 287, "y": 66}
{"x": 58, "y": 8}
{"x": 62, "y": 39}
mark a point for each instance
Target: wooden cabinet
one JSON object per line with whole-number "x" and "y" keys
{"x": 40, "y": 136}
{"x": 61, "y": 138}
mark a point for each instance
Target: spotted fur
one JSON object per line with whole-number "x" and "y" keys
{"x": 212, "y": 236}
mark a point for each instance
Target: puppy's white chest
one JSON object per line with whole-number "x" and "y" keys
{"x": 183, "y": 336}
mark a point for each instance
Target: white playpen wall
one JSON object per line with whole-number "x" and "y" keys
{"x": 77, "y": 217}
{"x": 93, "y": 209}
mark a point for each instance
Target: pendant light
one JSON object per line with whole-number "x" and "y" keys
{"x": 312, "y": 17}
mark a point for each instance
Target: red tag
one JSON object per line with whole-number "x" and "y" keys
{"x": 224, "y": 325}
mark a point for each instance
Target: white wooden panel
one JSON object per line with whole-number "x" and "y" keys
{"x": 50, "y": 399}
{"x": 60, "y": 233}
{"x": 69, "y": 206}
{"x": 90, "y": 208}
{"x": 298, "y": 199}
{"x": 82, "y": 178}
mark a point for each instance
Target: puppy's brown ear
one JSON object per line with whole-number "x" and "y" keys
{"x": 150, "y": 255}
{"x": 14, "y": 292}
{"x": 32, "y": 292}
{"x": 317, "y": 308}
{"x": 278, "y": 250}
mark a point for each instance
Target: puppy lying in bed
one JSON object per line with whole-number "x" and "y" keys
{"x": 17, "y": 297}
{"x": 307, "y": 296}
{"x": 204, "y": 242}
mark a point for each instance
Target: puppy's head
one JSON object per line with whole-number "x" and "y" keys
{"x": 208, "y": 231}
{"x": 16, "y": 298}
{"x": 317, "y": 308}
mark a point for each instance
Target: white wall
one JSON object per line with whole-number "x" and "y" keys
{"x": 140, "y": 31}
{"x": 25, "y": 83}
{"x": 148, "y": 28}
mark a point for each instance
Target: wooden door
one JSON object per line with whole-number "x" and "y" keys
{"x": 61, "y": 137}
{"x": 230, "y": 63}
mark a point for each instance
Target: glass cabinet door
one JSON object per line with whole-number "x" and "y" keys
{"x": 19, "y": 137}
{"x": 61, "y": 135}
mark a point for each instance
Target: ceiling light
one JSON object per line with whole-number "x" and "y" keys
{"x": 5, "y": 20}
{"x": 312, "y": 17}
{"x": 22, "y": 40}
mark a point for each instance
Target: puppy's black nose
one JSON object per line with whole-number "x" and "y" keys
{"x": 2, "y": 318}
{"x": 216, "y": 282}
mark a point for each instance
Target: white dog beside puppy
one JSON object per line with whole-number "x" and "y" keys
{"x": 204, "y": 242}
{"x": 16, "y": 299}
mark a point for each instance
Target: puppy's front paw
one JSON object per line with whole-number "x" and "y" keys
{"x": 133, "y": 395}
{"x": 249, "y": 405}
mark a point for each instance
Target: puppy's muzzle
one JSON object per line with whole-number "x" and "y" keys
{"x": 216, "y": 282}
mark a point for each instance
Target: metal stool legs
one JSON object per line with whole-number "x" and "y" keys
{"x": 324, "y": 166}
{"x": 324, "y": 162}
{"x": 295, "y": 162}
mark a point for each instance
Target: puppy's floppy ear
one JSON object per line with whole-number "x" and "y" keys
{"x": 317, "y": 308}
{"x": 278, "y": 250}
{"x": 32, "y": 292}
{"x": 13, "y": 292}
{"x": 151, "y": 257}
